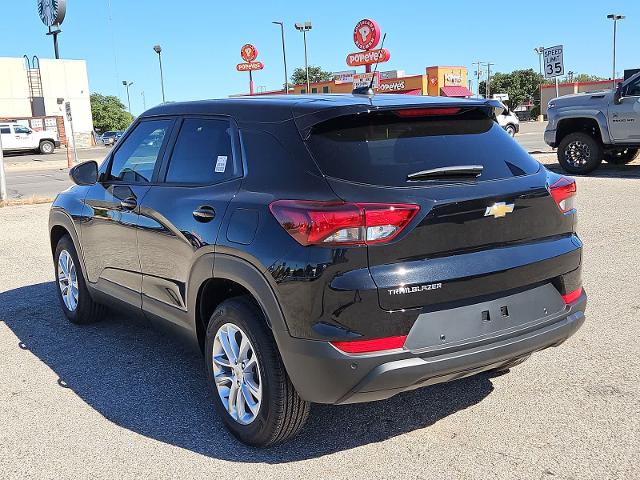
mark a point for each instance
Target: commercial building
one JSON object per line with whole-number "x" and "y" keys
{"x": 34, "y": 91}
{"x": 436, "y": 81}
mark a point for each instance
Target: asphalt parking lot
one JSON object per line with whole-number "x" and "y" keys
{"x": 119, "y": 399}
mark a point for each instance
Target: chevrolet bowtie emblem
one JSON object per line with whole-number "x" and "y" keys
{"x": 499, "y": 209}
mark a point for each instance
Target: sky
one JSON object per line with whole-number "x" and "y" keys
{"x": 201, "y": 39}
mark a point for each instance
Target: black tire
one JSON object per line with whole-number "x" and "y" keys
{"x": 579, "y": 153}
{"x": 46, "y": 147}
{"x": 621, "y": 157}
{"x": 87, "y": 311}
{"x": 282, "y": 413}
{"x": 510, "y": 129}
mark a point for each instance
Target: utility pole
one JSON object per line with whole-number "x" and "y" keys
{"x": 488, "y": 89}
{"x": 3, "y": 180}
{"x": 615, "y": 19}
{"x": 284, "y": 58}
{"x": 478, "y": 64}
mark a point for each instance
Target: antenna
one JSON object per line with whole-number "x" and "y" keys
{"x": 369, "y": 90}
{"x": 377, "y": 63}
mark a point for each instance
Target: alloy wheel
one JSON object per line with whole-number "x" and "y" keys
{"x": 577, "y": 153}
{"x": 68, "y": 280}
{"x": 237, "y": 373}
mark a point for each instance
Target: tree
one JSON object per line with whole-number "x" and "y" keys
{"x": 316, "y": 74}
{"x": 109, "y": 113}
{"x": 520, "y": 85}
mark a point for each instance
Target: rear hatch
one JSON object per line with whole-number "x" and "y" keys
{"x": 474, "y": 235}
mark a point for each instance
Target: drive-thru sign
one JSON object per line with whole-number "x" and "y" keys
{"x": 553, "y": 62}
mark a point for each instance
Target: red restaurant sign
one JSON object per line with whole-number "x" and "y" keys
{"x": 245, "y": 67}
{"x": 368, "y": 57}
{"x": 249, "y": 53}
{"x": 366, "y": 35}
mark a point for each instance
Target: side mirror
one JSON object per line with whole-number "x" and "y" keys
{"x": 617, "y": 96}
{"x": 85, "y": 173}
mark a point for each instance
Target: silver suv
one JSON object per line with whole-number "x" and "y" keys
{"x": 588, "y": 128}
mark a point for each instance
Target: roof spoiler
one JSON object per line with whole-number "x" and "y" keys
{"x": 497, "y": 106}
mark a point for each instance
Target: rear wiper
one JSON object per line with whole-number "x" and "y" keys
{"x": 444, "y": 172}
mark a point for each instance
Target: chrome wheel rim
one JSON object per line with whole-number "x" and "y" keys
{"x": 237, "y": 373}
{"x": 46, "y": 148}
{"x": 577, "y": 153}
{"x": 68, "y": 280}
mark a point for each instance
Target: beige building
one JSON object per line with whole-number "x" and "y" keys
{"x": 37, "y": 89}
{"x": 549, "y": 91}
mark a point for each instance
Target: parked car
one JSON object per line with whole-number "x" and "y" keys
{"x": 330, "y": 249}
{"x": 18, "y": 137}
{"x": 588, "y": 128}
{"x": 509, "y": 121}
{"x": 109, "y": 138}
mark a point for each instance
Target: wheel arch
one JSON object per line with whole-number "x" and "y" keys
{"x": 592, "y": 123}
{"x": 61, "y": 224}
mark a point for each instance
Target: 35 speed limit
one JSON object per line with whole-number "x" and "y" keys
{"x": 553, "y": 62}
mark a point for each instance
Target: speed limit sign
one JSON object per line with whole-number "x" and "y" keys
{"x": 553, "y": 62}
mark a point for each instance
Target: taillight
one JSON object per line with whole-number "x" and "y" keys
{"x": 572, "y": 296}
{"x": 373, "y": 345}
{"x": 427, "y": 112}
{"x": 564, "y": 192}
{"x": 339, "y": 223}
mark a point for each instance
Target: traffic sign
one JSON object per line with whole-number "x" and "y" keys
{"x": 67, "y": 109}
{"x": 553, "y": 62}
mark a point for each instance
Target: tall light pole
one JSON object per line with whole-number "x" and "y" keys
{"x": 127, "y": 85}
{"x": 144, "y": 101}
{"x": 284, "y": 58}
{"x": 615, "y": 19}
{"x": 304, "y": 28}
{"x": 540, "y": 52}
{"x": 158, "y": 50}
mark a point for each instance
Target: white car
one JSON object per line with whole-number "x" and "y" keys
{"x": 17, "y": 137}
{"x": 509, "y": 121}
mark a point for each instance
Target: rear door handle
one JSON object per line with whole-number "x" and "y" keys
{"x": 129, "y": 203}
{"x": 205, "y": 213}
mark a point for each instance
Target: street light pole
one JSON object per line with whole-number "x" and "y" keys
{"x": 284, "y": 58}
{"x": 615, "y": 19}
{"x": 3, "y": 181}
{"x": 144, "y": 101}
{"x": 158, "y": 50}
{"x": 127, "y": 85}
{"x": 304, "y": 28}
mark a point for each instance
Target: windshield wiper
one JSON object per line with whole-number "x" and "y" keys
{"x": 445, "y": 172}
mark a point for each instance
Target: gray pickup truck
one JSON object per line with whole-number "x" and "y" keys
{"x": 588, "y": 128}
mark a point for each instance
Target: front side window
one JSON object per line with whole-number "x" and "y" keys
{"x": 203, "y": 153}
{"x": 21, "y": 129}
{"x": 136, "y": 158}
{"x": 633, "y": 90}
{"x": 5, "y": 130}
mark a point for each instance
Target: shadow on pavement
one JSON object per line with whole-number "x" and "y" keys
{"x": 141, "y": 380}
{"x": 605, "y": 170}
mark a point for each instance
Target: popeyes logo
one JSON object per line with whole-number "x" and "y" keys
{"x": 249, "y": 53}
{"x": 366, "y": 35}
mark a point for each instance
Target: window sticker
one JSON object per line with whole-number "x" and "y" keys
{"x": 221, "y": 164}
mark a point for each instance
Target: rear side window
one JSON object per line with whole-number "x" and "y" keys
{"x": 203, "y": 153}
{"x": 383, "y": 148}
{"x": 136, "y": 158}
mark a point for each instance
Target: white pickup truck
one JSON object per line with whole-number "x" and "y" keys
{"x": 17, "y": 137}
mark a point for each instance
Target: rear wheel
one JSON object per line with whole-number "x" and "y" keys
{"x": 621, "y": 157}
{"x": 254, "y": 395}
{"x": 579, "y": 153}
{"x": 46, "y": 147}
{"x": 75, "y": 299}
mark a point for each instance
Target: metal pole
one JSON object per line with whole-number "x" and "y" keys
{"x": 306, "y": 65}
{"x": 488, "y": 89}
{"x": 3, "y": 180}
{"x": 128, "y": 98}
{"x": 250, "y": 83}
{"x": 55, "y": 45}
{"x": 557, "y": 91}
{"x": 161, "y": 76}
{"x": 613, "y": 76}
{"x": 284, "y": 58}
{"x": 144, "y": 101}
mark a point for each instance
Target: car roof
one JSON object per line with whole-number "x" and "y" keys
{"x": 274, "y": 108}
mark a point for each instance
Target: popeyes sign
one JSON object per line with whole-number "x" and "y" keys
{"x": 366, "y": 36}
{"x": 249, "y": 53}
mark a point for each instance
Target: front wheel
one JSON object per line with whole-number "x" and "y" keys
{"x": 46, "y": 147}
{"x": 579, "y": 153}
{"x": 621, "y": 157}
{"x": 511, "y": 130}
{"x": 75, "y": 299}
{"x": 253, "y": 393}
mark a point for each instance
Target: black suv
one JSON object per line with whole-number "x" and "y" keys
{"x": 330, "y": 249}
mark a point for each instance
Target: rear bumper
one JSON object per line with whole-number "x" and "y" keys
{"x": 322, "y": 374}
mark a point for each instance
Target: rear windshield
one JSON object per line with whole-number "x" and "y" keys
{"x": 383, "y": 148}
